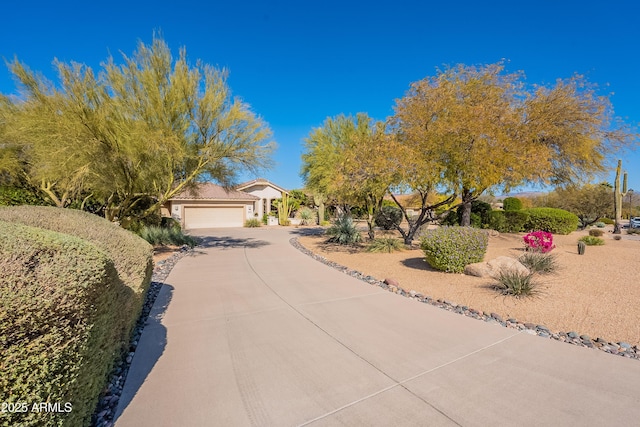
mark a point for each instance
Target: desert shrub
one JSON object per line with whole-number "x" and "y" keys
{"x": 517, "y": 284}
{"x": 556, "y": 221}
{"x": 168, "y": 222}
{"x": 539, "y": 241}
{"x": 252, "y": 223}
{"x": 15, "y": 196}
{"x": 591, "y": 241}
{"x": 168, "y": 236}
{"x": 595, "y": 232}
{"x": 265, "y": 219}
{"x": 498, "y": 221}
{"x": 452, "y": 248}
{"x": 385, "y": 244}
{"x": 388, "y": 217}
{"x": 600, "y": 224}
{"x": 511, "y": 204}
{"x": 62, "y": 323}
{"x": 344, "y": 231}
{"x": 633, "y": 231}
{"x": 508, "y": 222}
{"x": 607, "y": 221}
{"x": 131, "y": 255}
{"x": 617, "y": 237}
{"x": 538, "y": 262}
{"x": 307, "y": 216}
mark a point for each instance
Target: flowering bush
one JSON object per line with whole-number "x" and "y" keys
{"x": 450, "y": 249}
{"x": 539, "y": 241}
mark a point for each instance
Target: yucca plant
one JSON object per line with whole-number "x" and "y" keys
{"x": 343, "y": 231}
{"x": 540, "y": 263}
{"x": 517, "y": 284}
{"x": 166, "y": 236}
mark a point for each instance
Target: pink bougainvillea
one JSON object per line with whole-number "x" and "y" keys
{"x": 539, "y": 241}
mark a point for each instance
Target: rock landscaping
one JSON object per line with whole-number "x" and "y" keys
{"x": 621, "y": 348}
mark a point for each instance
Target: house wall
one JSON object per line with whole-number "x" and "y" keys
{"x": 266, "y": 193}
{"x": 176, "y": 207}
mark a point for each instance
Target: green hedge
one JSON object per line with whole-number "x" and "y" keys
{"x": 508, "y": 222}
{"x": 511, "y": 204}
{"x": 61, "y": 323}
{"x": 556, "y": 221}
{"x": 131, "y": 255}
{"x": 452, "y": 248}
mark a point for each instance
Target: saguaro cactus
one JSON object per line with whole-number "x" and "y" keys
{"x": 617, "y": 197}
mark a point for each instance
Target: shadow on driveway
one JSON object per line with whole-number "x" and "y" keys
{"x": 151, "y": 346}
{"x": 226, "y": 242}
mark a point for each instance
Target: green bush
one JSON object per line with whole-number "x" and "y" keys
{"x": 556, "y": 221}
{"x": 15, "y": 196}
{"x": 168, "y": 222}
{"x": 592, "y": 241}
{"x": 517, "y": 284}
{"x": 600, "y": 224}
{"x": 388, "y": 217}
{"x": 508, "y": 222}
{"x": 511, "y": 204}
{"x": 62, "y": 322}
{"x": 538, "y": 262}
{"x": 607, "y": 221}
{"x": 452, "y": 248}
{"x": 480, "y": 215}
{"x": 131, "y": 255}
{"x": 595, "y": 232}
{"x": 252, "y": 223}
{"x": 633, "y": 231}
{"x": 343, "y": 231}
{"x": 385, "y": 244}
{"x": 169, "y": 236}
{"x": 307, "y": 216}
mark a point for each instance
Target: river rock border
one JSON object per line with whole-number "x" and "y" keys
{"x": 108, "y": 402}
{"x": 618, "y": 348}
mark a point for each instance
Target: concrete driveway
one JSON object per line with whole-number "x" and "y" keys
{"x": 249, "y": 331}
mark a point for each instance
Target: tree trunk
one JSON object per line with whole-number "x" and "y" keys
{"x": 467, "y": 198}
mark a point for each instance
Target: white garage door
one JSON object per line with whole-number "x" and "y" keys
{"x": 213, "y": 217}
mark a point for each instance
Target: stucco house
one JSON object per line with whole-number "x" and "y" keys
{"x": 212, "y": 206}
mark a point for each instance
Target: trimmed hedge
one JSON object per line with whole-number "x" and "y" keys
{"x": 511, "y": 204}
{"x": 131, "y": 255}
{"x": 508, "y": 222}
{"x": 61, "y": 323}
{"x": 556, "y": 221}
{"x": 450, "y": 249}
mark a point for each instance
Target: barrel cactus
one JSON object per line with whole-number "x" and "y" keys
{"x": 581, "y": 248}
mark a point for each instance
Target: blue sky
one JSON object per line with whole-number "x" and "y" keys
{"x": 298, "y": 62}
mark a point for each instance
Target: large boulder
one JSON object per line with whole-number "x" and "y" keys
{"x": 493, "y": 268}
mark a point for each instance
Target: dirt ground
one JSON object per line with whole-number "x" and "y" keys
{"x": 597, "y": 294}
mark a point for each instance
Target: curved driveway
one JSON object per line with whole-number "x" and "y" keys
{"x": 249, "y": 331}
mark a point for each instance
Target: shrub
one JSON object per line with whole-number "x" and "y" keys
{"x": 343, "y": 231}
{"x": 539, "y": 241}
{"x": 252, "y": 223}
{"x": 591, "y": 241}
{"x": 607, "y": 221}
{"x": 385, "y": 244}
{"x": 617, "y": 237}
{"x": 511, "y": 204}
{"x": 508, "y": 222}
{"x": 265, "y": 219}
{"x": 169, "y": 236}
{"x": 633, "y": 231}
{"x": 452, "y": 248}
{"x": 131, "y": 255}
{"x": 307, "y": 216}
{"x": 388, "y": 217}
{"x": 595, "y": 232}
{"x": 556, "y": 221}
{"x": 600, "y": 224}
{"x": 62, "y": 321}
{"x": 538, "y": 262}
{"x": 517, "y": 284}
{"x": 480, "y": 214}
{"x": 168, "y": 222}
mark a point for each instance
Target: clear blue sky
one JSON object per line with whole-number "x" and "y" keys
{"x": 297, "y": 62}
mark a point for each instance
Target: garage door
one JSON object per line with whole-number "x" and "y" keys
{"x": 213, "y": 217}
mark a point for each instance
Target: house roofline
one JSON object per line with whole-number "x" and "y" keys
{"x": 247, "y": 184}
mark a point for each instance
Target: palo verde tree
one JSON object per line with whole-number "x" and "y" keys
{"x": 486, "y": 130}
{"x": 590, "y": 203}
{"x": 347, "y": 160}
{"x": 139, "y": 130}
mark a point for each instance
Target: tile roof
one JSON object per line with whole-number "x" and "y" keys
{"x": 260, "y": 181}
{"x": 209, "y": 191}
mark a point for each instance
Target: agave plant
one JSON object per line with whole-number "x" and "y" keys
{"x": 343, "y": 231}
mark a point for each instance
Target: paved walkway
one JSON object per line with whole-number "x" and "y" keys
{"x": 249, "y": 331}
